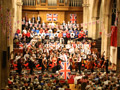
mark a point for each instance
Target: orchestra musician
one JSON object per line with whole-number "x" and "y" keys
{"x": 44, "y": 63}
{"x": 54, "y": 64}
{"x": 31, "y": 65}
{"x": 38, "y": 19}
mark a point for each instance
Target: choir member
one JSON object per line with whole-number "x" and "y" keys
{"x": 33, "y": 19}
{"x": 38, "y": 19}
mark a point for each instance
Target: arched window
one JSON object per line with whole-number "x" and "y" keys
{"x": 114, "y": 12}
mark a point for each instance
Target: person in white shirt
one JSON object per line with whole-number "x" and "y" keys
{"x": 17, "y": 57}
{"x": 52, "y": 24}
{"x": 51, "y": 36}
{"x": 43, "y": 34}
{"x": 63, "y": 23}
{"x": 79, "y": 63}
{"x": 24, "y": 31}
{"x": 58, "y": 30}
{"x": 26, "y": 56}
{"x": 19, "y": 36}
{"x": 71, "y": 50}
{"x": 29, "y": 21}
{"x": 65, "y": 57}
{"x": 68, "y": 45}
{"x": 31, "y": 34}
{"x": 84, "y": 56}
{"x": 72, "y": 35}
{"x": 43, "y": 24}
{"x": 50, "y": 31}
{"x": 68, "y": 23}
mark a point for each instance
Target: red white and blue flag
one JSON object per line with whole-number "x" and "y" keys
{"x": 65, "y": 70}
{"x": 73, "y": 18}
{"x": 52, "y": 17}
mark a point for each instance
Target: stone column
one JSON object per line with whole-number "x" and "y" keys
{"x": 94, "y": 28}
{"x": 19, "y": 14}
{"x": 118, "y": 41}
{"x": 5, "y": 35}
{"x": 86, "y": 16}
{"x": 85, "y": 12}
{"x": 106, "y": 40}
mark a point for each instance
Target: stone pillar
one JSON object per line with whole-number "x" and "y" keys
{"x": 85, "y": 12}
{"x": 118, "y": 44}
{"x": 5, "y": 40}
{"x": 106, "y": 40}
{"x": 94, "y": 28}
{"x": 19, "y": 14}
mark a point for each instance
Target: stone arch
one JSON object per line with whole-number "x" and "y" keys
{"x": 107, "y": 11}
{"x": 96, "y": 8}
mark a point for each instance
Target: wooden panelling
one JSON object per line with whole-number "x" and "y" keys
{"x": 30, "y": 14}
{"x": 54, "y": 8}
{"x": 43, "y": 15}
{"x": 62, "y": 15}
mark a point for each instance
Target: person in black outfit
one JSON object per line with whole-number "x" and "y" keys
{"x": 19, "y": 66}
{"x": 31, "y": 66}
{"x": 40, "y": 60}
{"x": 106, "y": 64}
{"x": 48, "y": 61}
{"x": 43, "y": 65}
{"x": 103, "y": 58}
{"x": 38, "y": 19}
{"x": 92, "y": 65}
{"x": 58, "y": 64}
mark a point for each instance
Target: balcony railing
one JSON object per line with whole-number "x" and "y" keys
{"x": 70, "y": 3}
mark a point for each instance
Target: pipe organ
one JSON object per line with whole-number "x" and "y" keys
{"x": 43, "y": 1}
{"x": 52, "y": 2}
{"x": 61, "y": 1}
{"x": 72, "y": 3}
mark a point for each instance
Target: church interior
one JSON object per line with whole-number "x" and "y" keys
{"x": 59, "y": 44}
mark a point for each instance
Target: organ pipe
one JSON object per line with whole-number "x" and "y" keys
{"x": 73, "y": 3}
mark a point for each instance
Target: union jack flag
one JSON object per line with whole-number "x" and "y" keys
{"x": 52, "y": 17}
{"x": 65, "y": 70}
{"x": 73, "y": 18}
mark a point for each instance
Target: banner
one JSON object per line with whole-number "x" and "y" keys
{"x": 114, "y": 36}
